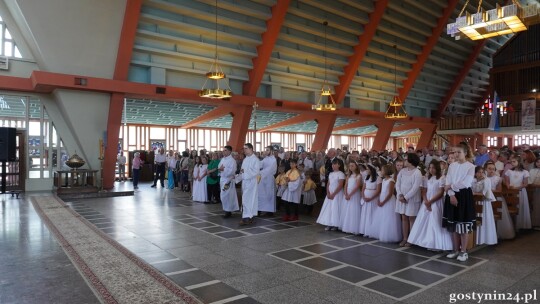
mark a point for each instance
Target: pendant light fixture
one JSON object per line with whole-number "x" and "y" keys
{"x": 395, "y": 108}
{"x": 211, "y": 87}
{"x": 325, "y": 90}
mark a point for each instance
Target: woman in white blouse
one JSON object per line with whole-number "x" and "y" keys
{"x": 459, "y": 214}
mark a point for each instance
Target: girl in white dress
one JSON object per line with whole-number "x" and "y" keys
{"x": 459, "y": 214}
{"x": 487, "y": 232}
{"x": 409, "y": 196}
{"x": 427, "y": 231}
{"x": 534, "y": 181}
{"x": 200, "y": 193}
{"x": 370, "y": 197}
{"x": 351, "y": 204}
{"x": 505, "y": 226}
{"x": 386, "y": 219}
{"x": 331, "y": 210}
{"x": 518, "y": 178}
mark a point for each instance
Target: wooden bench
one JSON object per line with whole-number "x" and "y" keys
{"x": 511, "y": 196}
{"x": 479, "y": 208}
{"x": 497, "y": 210}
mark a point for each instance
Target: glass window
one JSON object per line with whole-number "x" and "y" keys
{"x": 8, "y": 46}
{"x": 157, "y": 133}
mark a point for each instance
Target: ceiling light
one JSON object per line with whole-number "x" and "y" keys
{"x": 395, "y": 108}
{"x": 211, "y": 87}
{"x": 501, "y": 20}
{"x": 325, "y": 89}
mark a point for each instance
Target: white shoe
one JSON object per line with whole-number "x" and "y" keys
{"x": 463, "y": 256}
{"x": 452, "y": 255}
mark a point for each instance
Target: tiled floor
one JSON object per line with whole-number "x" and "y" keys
{"x": 269, "y": 262}
{"x": 395, "y": 272}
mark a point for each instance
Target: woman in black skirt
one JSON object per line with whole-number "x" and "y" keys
{"x": 459, "y": 215}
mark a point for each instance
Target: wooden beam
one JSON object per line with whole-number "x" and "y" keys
{"x": 116, "y": 104}
{"x": 291, "y": 121}
{"x": 360, "y": 51}
{"x": 460, "y": 77}
{"x": 208, "y": 116}
{"x": 47, "y": 82}
{"x": 426, "y": 50}
{"x": 264, "y": 51}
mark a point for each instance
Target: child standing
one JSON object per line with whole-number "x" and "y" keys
{"x": 505, "y": 227}
{"x": 487, "y": 232}
{"x": 409, "y": 196}
{"x": 199, "y": 182}
{"x": 351, "y": 204}
{"x": 293, "y": 191}
{"x": 518, "y": 178}
{"x": 384, "y": 216}
{"x": 459, "y": 215}
{"x": 308, "y": 194}
{"x": 370, "y": 197}
{"x": 427, "y": 231}
{"x": 281, "y": 184}
{"x": 534, "y": 181}
{"x": 330, "y": 213}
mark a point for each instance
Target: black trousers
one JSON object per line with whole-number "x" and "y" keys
{"x": 160, "y": 174}
{"x": 213, "y": 192}
{"x": 293, "y": 206}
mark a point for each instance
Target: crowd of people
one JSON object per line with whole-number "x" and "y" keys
{"x": 422, "y": 197}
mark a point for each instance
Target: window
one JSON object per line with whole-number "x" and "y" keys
{"x": 531, "y": 140}
{"x": 7, "y": 44}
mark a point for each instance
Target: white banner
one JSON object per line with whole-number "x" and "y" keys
{"x": 528, "y": 115}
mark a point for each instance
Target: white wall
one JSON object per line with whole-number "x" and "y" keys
{"x": 77, "y": 37}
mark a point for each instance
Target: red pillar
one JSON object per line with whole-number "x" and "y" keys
{"x": 116, "y": 105}
{"x": 239, "y": 128}
{"x": 325, "y": 125}
{"x": 426, "y": 136}
{"x": 383, "y": 134}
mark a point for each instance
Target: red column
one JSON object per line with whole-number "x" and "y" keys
{"x": 114, "y": 121}
{"x": 325, "y": 125}
{"x": 383, "y": 134}
{"x": 123, "y": 59}
{"x": 239, "y": 128}
{"x": 426, "y": 136}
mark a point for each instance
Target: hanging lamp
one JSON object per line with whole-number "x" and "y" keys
{"x": 501, "y": 20}
{"x": 395, "y": 108}
{"x": 211, "y": 87}
{"x": 325, "y": 89}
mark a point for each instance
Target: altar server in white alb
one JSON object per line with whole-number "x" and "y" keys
{"x": 227, "y": 168}
{"x": 267, "y": 186}
{"x": 250, "y": 175}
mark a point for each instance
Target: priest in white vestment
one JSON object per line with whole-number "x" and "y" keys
{"x": 250, "y": 175}
{"x": 227, "y": 169}
{"x": 267, "y": 185}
